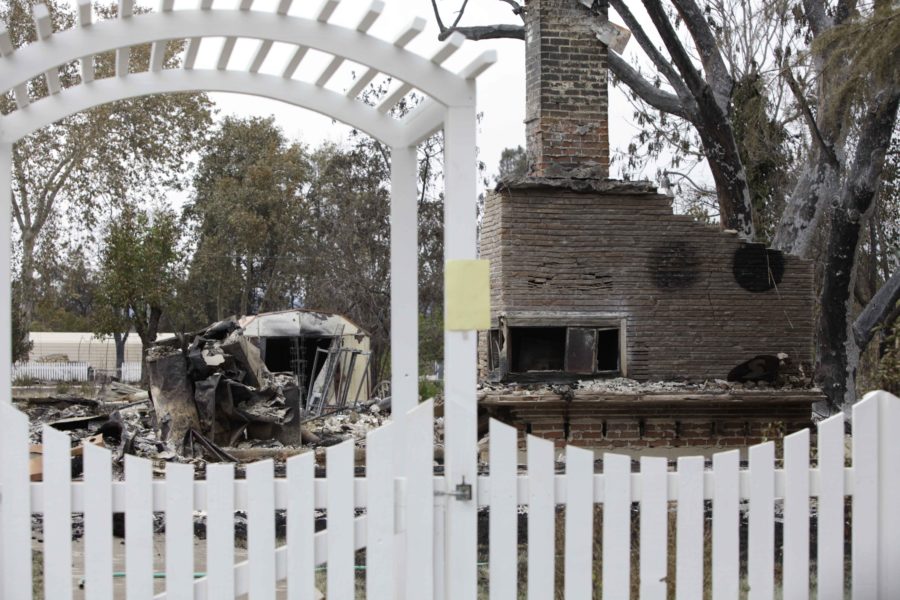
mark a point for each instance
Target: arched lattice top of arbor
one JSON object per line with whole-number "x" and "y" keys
{"x": 52, "y": 50}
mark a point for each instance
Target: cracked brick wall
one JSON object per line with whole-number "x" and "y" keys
{"x": 566, "y": 122}
{"x": 697, "y": 300}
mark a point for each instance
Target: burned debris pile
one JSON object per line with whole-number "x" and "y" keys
{"x": 265, "y": 386}
{"x": 216, "y": 390}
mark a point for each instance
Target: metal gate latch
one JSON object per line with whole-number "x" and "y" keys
{"x": 463, "y": 491}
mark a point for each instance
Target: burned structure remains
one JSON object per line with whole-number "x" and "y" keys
{"x": 258, "y": 377}
{"x": 594, "y": 279}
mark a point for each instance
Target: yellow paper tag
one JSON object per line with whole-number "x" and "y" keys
{"x": 467, "y": 289}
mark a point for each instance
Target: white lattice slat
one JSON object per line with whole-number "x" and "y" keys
{"x": 326, "y": 10}
{"x": 339, "y": 472}
{"x": 689, "y": 529}
{"x": 98, "y": 571}
{"x": 158, "y": 50}
{"x": 541, "y": 518}
{"x": 123, "y": 55}
{"x": 616, "y": 526}
{"x": 220, "y": 531}
{"x": 579, "y": 540}
{"x": 380, "y": 514}
{"x": 830, "y": 510}
{"x": 57, "y": 462}
{"x": 503, "y": 520}
{"x": 261, "y": 529}
{"x": 44, "y": 26}
{"x": 179, "y": 531}
{"x": 365, "y": 23}
{"x": 6, "y": 47}
{"x": 291, "y": 67}
{"x": 301, "y": 527}
{"x": 654, "y": 528}
{"x": 420, "y": 501}
{"x": 15, "y": 508}
{"x": 761, "y": 534}
{"x": 864, "y": 564}
{"x": 138, "y": 528}
{"x": 85, "y": 18}
{"x": 725, "y": 527}
{"x": 796, "y": 516}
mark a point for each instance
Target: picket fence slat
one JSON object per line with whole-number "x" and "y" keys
{"x": 864, "y": 546}
{"x": 579, "y": 540}
{"x": 261, "y": 529}
{"x": 726, "y": 521}
{"x": 15, "y": 520}
{"x": 541, "y": 518}
{"x": 179, "y": 532}
{"x": 689, "y": 529}
{"x": 503, "y": 521}
{"x": 98, "y": 571}
{"x": 796, "y": 516}
{"x": 380, "y": 514}
{"x": 301, "y": 559}
{"x": 420, "y": 502}
{"x": 138, "y": 528}
{"x": 889, "y": 500}
{"x": 339, "y": 473}
{"x": 57, "y": 464}
{"x": 220, "y": 579}
{"x": 616, "y": 527}
{"x": 830, "y": 510}
{"x": 761, "y": 534}
{"x": 653, "y": 541}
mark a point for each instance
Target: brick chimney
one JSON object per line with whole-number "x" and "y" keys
{"x": 566, "y": 116}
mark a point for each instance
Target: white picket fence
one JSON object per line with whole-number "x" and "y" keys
{"x": 62, "y": 371}
{"x": 71, "y": 371}
{"x": 403, "y": 527}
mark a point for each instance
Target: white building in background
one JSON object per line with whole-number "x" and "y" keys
{"x": 98, "y": 353}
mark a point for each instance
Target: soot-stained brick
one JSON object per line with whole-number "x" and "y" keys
{"x": 757, "y": 268}
{"x": 674, "y": 265}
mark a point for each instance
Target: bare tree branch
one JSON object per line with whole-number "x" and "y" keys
{"x": 487, "y": 32}
{"x": 481, "y": 32}
{"x": 661, "y": 62}
{"x": 649, "y": 93}
{"x": 808, "y": 116}
{"x": 710, "y": 56}
{"x": 689, "y": 73}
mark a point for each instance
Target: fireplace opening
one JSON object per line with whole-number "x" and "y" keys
{"x": 578, "y": 351}
{"x": 537, "y": 349}
{"x": 607, "y": 350}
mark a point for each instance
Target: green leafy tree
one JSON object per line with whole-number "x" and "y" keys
{"x": 140, "y": 267}
{"x": 249, "y": 215}
{"x": 123, "y": 151}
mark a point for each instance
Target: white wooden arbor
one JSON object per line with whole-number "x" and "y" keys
{"x": 450, "y": 105}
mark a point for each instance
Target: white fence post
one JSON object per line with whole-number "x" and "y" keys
{"x": 876, "y": 496}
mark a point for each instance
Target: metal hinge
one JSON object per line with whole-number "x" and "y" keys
{"x": 463, "y": 491}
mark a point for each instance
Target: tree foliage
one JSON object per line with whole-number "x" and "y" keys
{"x": 249, "y": 216}
{"x": 140, "y": 267}
{"x": 126, "y": 151}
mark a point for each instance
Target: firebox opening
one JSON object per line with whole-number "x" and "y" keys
{"x": 607, "y": 350}
{"x": 566, "y": 351}
{"x": 537, "y": 348}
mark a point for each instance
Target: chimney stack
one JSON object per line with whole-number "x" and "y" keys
{"x": 566, "y": 120}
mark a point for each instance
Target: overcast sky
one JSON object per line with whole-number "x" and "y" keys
{"x": 501, "y": 90}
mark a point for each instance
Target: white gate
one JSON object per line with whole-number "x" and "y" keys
{"x": 450, "y": 105}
